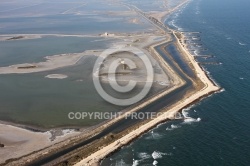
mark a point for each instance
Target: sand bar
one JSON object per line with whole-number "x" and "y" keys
{"x": 51, "y": 63}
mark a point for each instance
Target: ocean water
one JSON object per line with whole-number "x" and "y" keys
{"x": 217, "y": 132}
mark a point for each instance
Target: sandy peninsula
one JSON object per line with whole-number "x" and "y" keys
{"x": 52, "y": 62}
{"x": 18, "y": 142}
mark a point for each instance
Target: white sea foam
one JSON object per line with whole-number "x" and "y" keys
{"x": 185, "y": 112}
{"x": 172, "y": 127}
{"x": 242, "y": 44}
{"x": 159, "y": 125}
{"x": 180, "y": 29}
{"x": 175, "y": 126}
{"x": 187, "y": 118}
{"x": 191, "y": 120}
{"x": 211, "y": 78}
{"x": 156, "y": 135}
{"x": 196, "y": 52}
{"x": 158, "y": 155}
{"x": 222, "y": 90}
{"x": 155, "y": 162}
{"x": 135, "y": 163}
{"x": 173, "y": 23}
{"x": 169, "y": 129}
{"x": 170, "y": 22}
{"x": 153, "y": 136}
{"x": 143, "y": 155}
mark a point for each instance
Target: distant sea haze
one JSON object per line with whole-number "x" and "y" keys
{"x": 217, "y": 130}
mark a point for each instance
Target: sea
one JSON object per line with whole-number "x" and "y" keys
{"x": 216, "y": 131}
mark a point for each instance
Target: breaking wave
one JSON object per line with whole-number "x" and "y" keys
{"x": 144, "y": 155}
{"x": 185, "y": 113}
{"x": 242, "y": 44}
{"x": 135, "y": 162}
{"x": 187, "y": 118}
{"x": 153, "y": 136}
{"x": 191, "y": 120}
{"x": 172, "y": 127}
{"x": 155, "y": 162}
{"x": 158, "y": 155}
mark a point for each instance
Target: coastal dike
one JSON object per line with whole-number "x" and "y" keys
{"x": 208, "y": 88}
